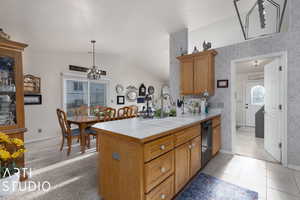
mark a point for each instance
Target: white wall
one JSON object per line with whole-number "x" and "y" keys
{"x": 220, "y": 34}
{"x": 50, "y": 65}
{"x": 228, "y": 31}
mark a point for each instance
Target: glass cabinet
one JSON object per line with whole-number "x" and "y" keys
{"x": 8, "y": 115}
{"x": 11, "y": 86}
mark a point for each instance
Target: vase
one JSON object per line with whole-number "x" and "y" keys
{"x": 9, "y": 185}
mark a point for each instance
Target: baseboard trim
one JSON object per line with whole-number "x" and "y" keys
{"x": 295, "y": 167}
{"x": 225, "y": 151}
{"x": 38, "y": 140}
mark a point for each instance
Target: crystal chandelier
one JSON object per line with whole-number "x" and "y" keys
{"x": 94, "y": 73}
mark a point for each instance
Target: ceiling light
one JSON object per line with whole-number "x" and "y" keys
{"x": 94, "y": 73}
{"x": 255, "y": 64}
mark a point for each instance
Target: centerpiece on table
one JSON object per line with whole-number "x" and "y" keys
{"x": 11, "y": 150}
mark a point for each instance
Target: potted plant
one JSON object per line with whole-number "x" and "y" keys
{"x": 11, "y": 149}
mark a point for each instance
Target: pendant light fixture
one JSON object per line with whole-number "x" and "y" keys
{"x": 94, "y": 73}
{"x": 264, "y": 17}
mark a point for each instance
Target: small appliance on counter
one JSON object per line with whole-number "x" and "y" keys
{"x": 204, "y": 104}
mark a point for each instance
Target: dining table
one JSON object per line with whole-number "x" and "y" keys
{"x": 84, "y": 122}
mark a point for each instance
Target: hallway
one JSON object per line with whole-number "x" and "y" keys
{"x": 247, "y": 144}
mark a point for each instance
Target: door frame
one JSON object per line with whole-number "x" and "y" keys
{"x": 283, "y": 56}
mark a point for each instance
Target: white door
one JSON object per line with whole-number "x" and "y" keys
{"x": 254, "y": 100}
{"x": 273, "y": 113}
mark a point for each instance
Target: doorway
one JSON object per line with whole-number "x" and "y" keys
{"x": 259, "y": 107}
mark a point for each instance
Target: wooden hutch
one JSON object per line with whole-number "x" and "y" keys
{"x": 12, "y": 119}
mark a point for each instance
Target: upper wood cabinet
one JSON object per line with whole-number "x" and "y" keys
{"x": 198, "y": 73}
{"x": 187, "y": 74}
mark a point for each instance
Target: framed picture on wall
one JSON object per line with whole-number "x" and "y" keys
{"x": 120, "y": 100}
{"x": 141, "y": 100}
{"x": 222, "y": 83}
{"x": 32, "y": 99}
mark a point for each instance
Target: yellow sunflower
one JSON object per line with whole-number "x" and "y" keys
{"x": 4, "y": 155}
{"x": 4, "y": 138}
{"x": 17, "y": 142}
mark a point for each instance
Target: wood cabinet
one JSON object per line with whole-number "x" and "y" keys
{"x": 182, "y": 166}
{"x": 158, "y": 170}
{"x": 195, "y": 156}
{"x": 164, "y": 191}
{"x": 11, "y": 90}
{"x": 187, "y": 74}
{"x": 198, "y": 73}
{"x": 187, "y": 162}
{"x": 149, "y": 169}
{"x": 216, "y": 146}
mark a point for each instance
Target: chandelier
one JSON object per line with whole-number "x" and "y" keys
{"x": 94, "y": 73}
{"x": 263, "y": 17}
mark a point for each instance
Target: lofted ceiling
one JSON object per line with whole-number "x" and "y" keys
{"x": 136, "y": 29}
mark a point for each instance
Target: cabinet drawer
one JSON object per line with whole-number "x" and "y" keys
{"x": 157, "y": 170}
{"x": 158, "y": 147}
{"x": 216, "y": 121}
{"x": 165, "y": 191}
{"x": 187, "y": 134}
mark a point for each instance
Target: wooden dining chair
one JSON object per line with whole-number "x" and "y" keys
{"x": 67, "y": 133}
{"x": 98, "y": 111}
{"x": 124, "y": 112}
{"x": 110, "y": 114}
{"x": 83, "y": 110}
{"x": 134, "y": 111}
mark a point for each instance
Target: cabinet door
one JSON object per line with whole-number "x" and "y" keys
{"x": 195, "y": 155}
{"x": 187, "y": 75}
{"x": 216, "y": 139}
{"x": 182, "y": 166}
{"x": 201, "y": 74}
{"x": 11, "y": 90}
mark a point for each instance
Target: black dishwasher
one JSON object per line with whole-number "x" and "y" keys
{"x": 206, "y": 144}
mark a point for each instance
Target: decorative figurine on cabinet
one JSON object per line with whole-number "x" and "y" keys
{"x": 206, "y": 45}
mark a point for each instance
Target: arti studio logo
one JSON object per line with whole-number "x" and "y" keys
{"x": 11, "y": 182}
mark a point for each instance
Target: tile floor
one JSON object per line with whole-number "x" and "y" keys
{"x": 75, "y": 177}
{"x": 247, "y": 144}
{"x": 270, "y": 180}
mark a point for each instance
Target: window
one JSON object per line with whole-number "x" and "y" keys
{"x": 82, "y": 92}
{"x": 258, "y": 95}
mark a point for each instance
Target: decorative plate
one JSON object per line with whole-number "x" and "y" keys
{"x": 119, "y": 89}
{"x": 132, "y": 93}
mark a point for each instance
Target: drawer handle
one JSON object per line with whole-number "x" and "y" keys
{"x": 162, "y": 147}
{"x": 162, "y": 196}
{"x": 163, "y": 170}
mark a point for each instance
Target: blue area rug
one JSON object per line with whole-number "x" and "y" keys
{"x": 205, "y": 187}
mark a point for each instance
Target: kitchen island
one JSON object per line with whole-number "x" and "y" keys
{"x": 151, "y": 159}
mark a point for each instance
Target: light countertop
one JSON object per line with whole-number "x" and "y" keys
{"x": 142, "y": 129}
